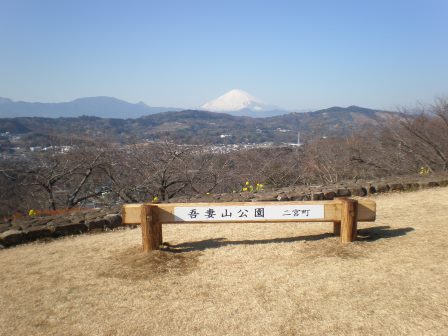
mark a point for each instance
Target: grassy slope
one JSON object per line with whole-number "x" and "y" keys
{"x": 282, "y": 279}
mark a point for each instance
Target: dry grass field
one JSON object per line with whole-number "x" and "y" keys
{"x": 239, "y": 279}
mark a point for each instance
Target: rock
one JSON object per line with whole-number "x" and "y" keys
{"x": 371, "y": 189}
{"x": 343, "y": 192}
{"x": 179, "y": 199}
{"x": 96, "y": 224}
{"x": 306, "y": 197}
{"x": 406, "y": 186}
{"x": 77, "y": 218}
{"x": 396, "y": 187}
{"x": 27, "y": 222}
{"x": 91, "y": 215}
{"x": 292, "y": 189}
{"x": 423, "y": 185}
{"x": 25, "y": 226}
{"x": 12, "y": 237}
{"x": 40, "y": 220}
{"x": 329, "y": 195}
{"x": 358, "y": 191}
{"x": 37, "y": 232}
{"x": 112, "y": 221}
{"x": 265, "y": 197}
{"x": 433, "y": 184}
{"x": 239, "y": 198}
{"x": 65, "y": 229}
{"x": 205, "y": 199}
{"x": 415, "y": 185}
{"x": 282, "y": 196}
{"x": 443, "y": 183}
{"x": 103, "y": 212}
{"x": 246, "y": 196}
{"x": 299, "y": 197}
{"x": 382, "y": 188}
{"x": 4, "y": 227}
{"x": 317, "y": 196}
{"x": 295, "y": 196}
{"x": 226, "y": 198}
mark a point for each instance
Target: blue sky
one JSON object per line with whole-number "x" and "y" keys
{"x": 295, "y": 54}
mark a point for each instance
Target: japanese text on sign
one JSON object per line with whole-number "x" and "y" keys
{"x": 248, "y": 213}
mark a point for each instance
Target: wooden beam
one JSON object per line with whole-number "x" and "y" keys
{"x": 349, "y": 220}
{"x": 151, "y": 228}
{"x": 366, "y": 210}
{"x": 337, "y": 228}
{"x": 131, "y": 213}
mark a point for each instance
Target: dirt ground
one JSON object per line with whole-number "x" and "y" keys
{"x": 239, "y": 279}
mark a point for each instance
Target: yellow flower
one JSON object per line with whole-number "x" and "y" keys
{"x": 424, "y": 171}
{"x": 244, "y": 189}
{"x": 259, "y": 187}
{"x": 247, "y": 182}
{"x": 155, "y": 199}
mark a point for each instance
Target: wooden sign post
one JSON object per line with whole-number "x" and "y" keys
{"x": 344, "y": 213}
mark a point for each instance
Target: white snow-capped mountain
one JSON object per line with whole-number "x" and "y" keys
{"x": 239, "y": 102}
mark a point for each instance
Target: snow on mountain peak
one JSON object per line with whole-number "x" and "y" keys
{"x": 235, "y": 100}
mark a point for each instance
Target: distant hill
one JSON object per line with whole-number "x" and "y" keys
{"x": 105, "y": 107}
{"x": 202, "y": 127}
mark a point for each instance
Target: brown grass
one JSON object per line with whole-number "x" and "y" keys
{"x": 236, "y": 279}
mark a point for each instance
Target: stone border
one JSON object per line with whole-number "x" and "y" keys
{"x": 327, "y": 192}
{"x": 36, "y": 228}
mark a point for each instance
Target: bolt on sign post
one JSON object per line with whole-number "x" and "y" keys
{"x": 344, "y": 213}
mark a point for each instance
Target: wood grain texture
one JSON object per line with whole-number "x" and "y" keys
{"x": 337, "y": 228}
{"x": 348, "y": 220}
{"x": 151, "y": 228}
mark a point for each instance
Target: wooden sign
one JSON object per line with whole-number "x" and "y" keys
{"x": 343, "y": 213}
{"x": 247, "y": 213}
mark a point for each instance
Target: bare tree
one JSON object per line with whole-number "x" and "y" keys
{"x": 65, "y": 179}
{"x": 423, "y": 135}
{"x": 146, "y": 170}
{"x": 327, "y": 160}
{"x": 207, "y": 172}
